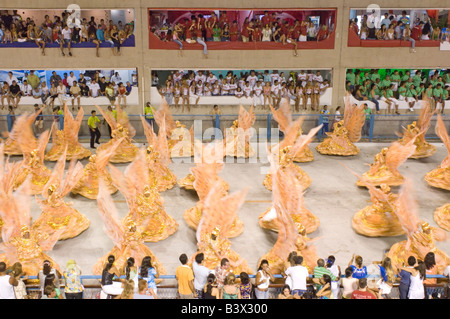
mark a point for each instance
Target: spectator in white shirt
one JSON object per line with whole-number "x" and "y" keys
{"x": 248, "y": 90}
{"x": 66, "y": 39}
{"x": 70, "y": 79}
{"x": 298, "y": 275}
{"x": 61, "y": 91}
{"x": 200, "y": 274}
{"x": 94, "y": 88}
{"x": 211, "y": 79}
{"x": 116, "y": 78}
{"x": 200, "y": 77}
{"x": 274, "y": 76}
{"x": 252, "y": 78}
{"x": 276, "y": 93}
{"x": 258, "y": 98}
{"x": 26, "y": 88}
{"x": 11, "y": 78}
{"x": 317, "y": 77}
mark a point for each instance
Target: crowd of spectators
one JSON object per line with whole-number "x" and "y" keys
{"x": 399, "y": 85}
{"x": 62, "y": 89}
{"x": 263, "y": 87}
{"x": 266, "y": 28}
{"x": 392, "y": 27}
{"x": 325, "y": 280}
{"x": 62, "y": 31}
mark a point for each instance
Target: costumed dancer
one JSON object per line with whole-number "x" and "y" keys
{"x": 237, "y": 137}
{"x": 87, "y": 185}
{"x": 127, "y": 237}
{"x": 291, "y": 194}
{"x": 205, "y": 177}
{"x": 421, "y": 236}
{"x": 442, "y": 217}
{"x": 181, "y": 140}
{"x": 345, "y": 132}
{"x": 283, "y": 116}
{"x": 145, "y": 205}
{"x": 440, "y": 177}
{"x": 33, "y": 159}
{"x": 418, "y": 130}
{"x": 12, "y": 146}
{"x": 120, "y": 128}
{"x": 158, "y": 158}
{"x": 285, "y": 153}
{"x": 292, "y": 237}
{"x": 67, "y": 138}
{"x": 384, "y": 169}
{"x": 212, "y": 233}
{"x": 20, "y": 242}
{"x": 56, "y": 213}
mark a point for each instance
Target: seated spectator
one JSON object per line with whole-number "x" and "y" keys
{"x": 75, "y": 92}
{"x": 14, "y": 93}
{"x": 49, "y": 293}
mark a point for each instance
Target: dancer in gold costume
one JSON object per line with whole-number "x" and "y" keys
{"x": 67, "y": 137}
{"x": 379, "y": 218}
{"x": 421, "y": 236}
{"x": 87, "y": 185}
{"x": 205, "y": 175}
{"x": 12, "y": 146}
{"x": 120, "y": 128}
{"x": 206, "y": 155}
{"x": 145, "y": 205}
{"x": 212, "y": 233}
{"x": 20, "y": 242}
{"x": 33, "y": 159}
{"x": 384, "y": 169}
{"x": 345, "y": 132}
{"x": 181, "y": 140}
{"x": 440, "y": 177}
{"x": 237, "y": 137}
{"x": 285, "y": 152}
{"x": 291, "y": 195}
{"x": 442, "y": 217}
{"x": 127, "y": 237}
{"x": 283, "y": 116}
{"x": 158, "y": 158}
{"x": 418, "y": 130}
{"x": 56, "y": 213}
{"x": 291, "y": 234}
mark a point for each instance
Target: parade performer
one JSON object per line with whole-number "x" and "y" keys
{"x": 87, "y": 185}
{"x": 158, "y": 158}
{"x": 12, "y": 146}
{"x": 293, "y": 199}
{"x": 205, "y": 175}
{"x": 181, "y": 140}
{"x": 418, "y": 130}
{"x": 237, "y": 137}
{"x": 442, "y": 217}
{"x": 216, "y": 223}
{"x": 20, "y": 242}
{"x": 33, "y": 159}
{"x": 127, "y": 236}
{"x": 67, "y": 138}
{"x": 145, "y": 205}
{"x": 440, "y": 177}
{"x": 56, "y": 213}
{"x": 384, "y": 169}
{"x": 345, "y": 132}
{"x": 120, "y": 128}
{"x": 283, "y": 116}
{"x": 420, "y": 235}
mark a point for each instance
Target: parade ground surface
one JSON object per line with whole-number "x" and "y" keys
{"x": 332, "y": 196}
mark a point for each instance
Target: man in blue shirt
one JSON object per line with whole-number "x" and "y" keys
{"x": 404, "y": 20}
{"x": 325, "y": 113}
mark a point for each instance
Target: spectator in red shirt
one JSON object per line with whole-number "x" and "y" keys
{"x": 245, "y": 33}
{"x": 234, "y": 31}
{"x": 223, "y": 19}
{"x": 303, "y": 31}
{"x": 323, "y": 33}
{"x": 257, "y": 34}
{"x": 265, "y": 19}
{"x": 209, "y": 31}
{"x": 363, "y": 292}
{"x": 213, "y": 19}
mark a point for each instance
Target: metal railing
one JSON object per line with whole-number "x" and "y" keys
{"x": 380, "y": 127}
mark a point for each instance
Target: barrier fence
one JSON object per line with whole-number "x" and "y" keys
{"x": 378, "y": 127}
{"x": 169, "y": 291}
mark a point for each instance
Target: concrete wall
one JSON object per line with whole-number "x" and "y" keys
{"x": 140, "y": 57}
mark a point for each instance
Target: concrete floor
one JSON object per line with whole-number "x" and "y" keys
{"x": 333, "y": 197}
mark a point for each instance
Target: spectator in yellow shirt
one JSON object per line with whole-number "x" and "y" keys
{"x": 93, "y": 123}
{"x": 185, "y": 278}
